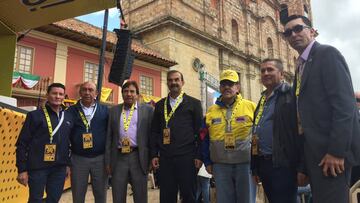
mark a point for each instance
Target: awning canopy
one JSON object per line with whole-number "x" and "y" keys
{"x": 21, "y": 15}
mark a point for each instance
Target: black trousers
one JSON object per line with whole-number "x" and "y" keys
{"x": 177, "y": 174}
{"x": 280, "y": 184}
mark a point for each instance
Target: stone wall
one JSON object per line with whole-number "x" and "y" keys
{"x": 234, "y": 34}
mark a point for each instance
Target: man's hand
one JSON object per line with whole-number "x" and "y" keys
{"x": 209, "y": 169}
{"x": 68, "y": 172}
{"x": 256, "y": 179}
{"x": 198, "y": 163}
{"x": 155, "y": 163}
{"x": 334, "y": 164}
{"x": 23, "y": 178}
{"x": 302, "y": 179}
{"x": 108, "y": 170}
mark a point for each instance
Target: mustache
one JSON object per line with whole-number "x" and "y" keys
{"x": 174, "y": 85}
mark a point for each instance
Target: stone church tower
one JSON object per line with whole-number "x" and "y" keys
{"x": 207, "y": 36}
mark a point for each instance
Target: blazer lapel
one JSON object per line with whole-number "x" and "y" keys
{"x": 139, "y": 113}
{"x": 117, "y": 121}
{"x": 308, "y": 66}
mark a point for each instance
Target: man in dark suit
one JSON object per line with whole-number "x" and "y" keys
{"x": 174, "y": 141}
{"x": 127, "y": 152}
{"x": 88, "y": 145}
{"x": 327, "y": 114}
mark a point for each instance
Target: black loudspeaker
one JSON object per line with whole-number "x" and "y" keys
{"x": 284, "y": 13}
{"x": 121, "y": 66}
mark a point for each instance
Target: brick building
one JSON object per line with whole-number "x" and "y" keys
{"x": 68, "y": 52}
{"x": 217, "y": 34}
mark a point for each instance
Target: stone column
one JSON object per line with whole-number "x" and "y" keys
{"x": 60, "y": 63}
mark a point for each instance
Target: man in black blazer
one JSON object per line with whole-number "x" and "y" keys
{"x": 174, "y": 143}
{"x": 127, "y": 145}
{"x": 327, "y": 113}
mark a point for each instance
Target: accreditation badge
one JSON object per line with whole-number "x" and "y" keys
{"x": 125, "y": 145}
{"x": 49, "y": 152}
{"x": 229, "y": 141}
{"x": 166, "y": 136}
{"x": 254, "y": 145}
{"x": 87, "y": 141}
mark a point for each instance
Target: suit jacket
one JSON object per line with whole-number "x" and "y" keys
{"x": 145, "y": 113}
{"x": 327, "y": 105}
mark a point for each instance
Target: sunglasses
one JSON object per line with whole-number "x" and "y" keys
{"x": 296, "y": 29}
{"x": 358, "y": 100}
{"x": 227, "y": 83}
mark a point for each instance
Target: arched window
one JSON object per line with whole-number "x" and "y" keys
{"x": 234, "y": 31}
{"x": 270, "y": 48}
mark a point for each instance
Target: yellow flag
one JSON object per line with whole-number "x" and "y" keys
{"x": 105, "y": 93}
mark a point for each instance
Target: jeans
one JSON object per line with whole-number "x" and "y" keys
{"x": 51, "y": 179}
{"x": 203, "y": 188}
{"x": 234, "y": 183}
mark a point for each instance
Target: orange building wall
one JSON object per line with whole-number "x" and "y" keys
{"x": 137, "y": 71}
{"x": 75, "y": 72}
{"x": 44, "y": 56}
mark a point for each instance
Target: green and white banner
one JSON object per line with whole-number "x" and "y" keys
{"x": 28, "y": 81}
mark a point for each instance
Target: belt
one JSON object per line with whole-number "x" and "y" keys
{"x": 265, "y": 156}
{"x": 132, "y": 149}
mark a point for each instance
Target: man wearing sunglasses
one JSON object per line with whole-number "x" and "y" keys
{"x": 327, "y": 115}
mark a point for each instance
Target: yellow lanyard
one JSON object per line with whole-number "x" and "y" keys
{"x": 298, "y": 84}
{"x": 84, "y": 120}
{"x": 127, "y": 120}
{"x": 228, "y": 121}
{"x": 48, "y": 121}
{"x": 166, "y": 116}
{"x": 261, "y": 110}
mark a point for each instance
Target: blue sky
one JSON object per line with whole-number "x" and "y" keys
{"x": 97, "y": 18}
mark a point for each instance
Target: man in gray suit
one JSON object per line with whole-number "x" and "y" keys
{"x": 127, "y": 152}
{"x": 327, "y": 113}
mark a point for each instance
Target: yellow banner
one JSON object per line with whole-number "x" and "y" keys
{"x": 105, "y": 93}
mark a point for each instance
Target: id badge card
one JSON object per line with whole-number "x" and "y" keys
{"x": 255, "y": 145}
{"x": 49, "y": 152}
{"x": 229, "y": 141}
{"x": 125, "y": 145}
{"x": 166, "y": 136}
{"x": 87, "y": 141}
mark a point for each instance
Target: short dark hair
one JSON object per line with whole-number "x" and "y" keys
{"x": 278, "y": 63}
{"x": 55, "y": 84}
{"x": 129, "y": 83}
{"x": 304, "y": 19}
{"x": 174, "y": 71}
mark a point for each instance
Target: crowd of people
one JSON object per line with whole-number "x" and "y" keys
{"x": 300, "y": 134}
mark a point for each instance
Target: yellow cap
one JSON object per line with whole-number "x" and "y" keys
{"x": 229, "y": 75}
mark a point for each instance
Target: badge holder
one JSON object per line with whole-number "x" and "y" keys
{"x": 49, "y": 152}
{"x": 166, "y": 136}
{"x": 229, "y": 141}
{"x": 87, "y": 141}
{"x": 125, "y": 145}
{"x": 254, "y": 145}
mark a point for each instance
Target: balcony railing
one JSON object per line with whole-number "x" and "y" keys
{"x": 38, "y": 90}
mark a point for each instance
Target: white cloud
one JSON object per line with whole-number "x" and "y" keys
{"x": 113, "y": 12}
{"x": 338, "y": 23}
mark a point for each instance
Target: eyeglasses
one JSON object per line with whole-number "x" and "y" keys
{"x": 358, "y": 100}
{"x": 296, "y": 29}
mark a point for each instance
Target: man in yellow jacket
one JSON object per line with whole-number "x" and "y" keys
{"x": 226, "y": 147}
